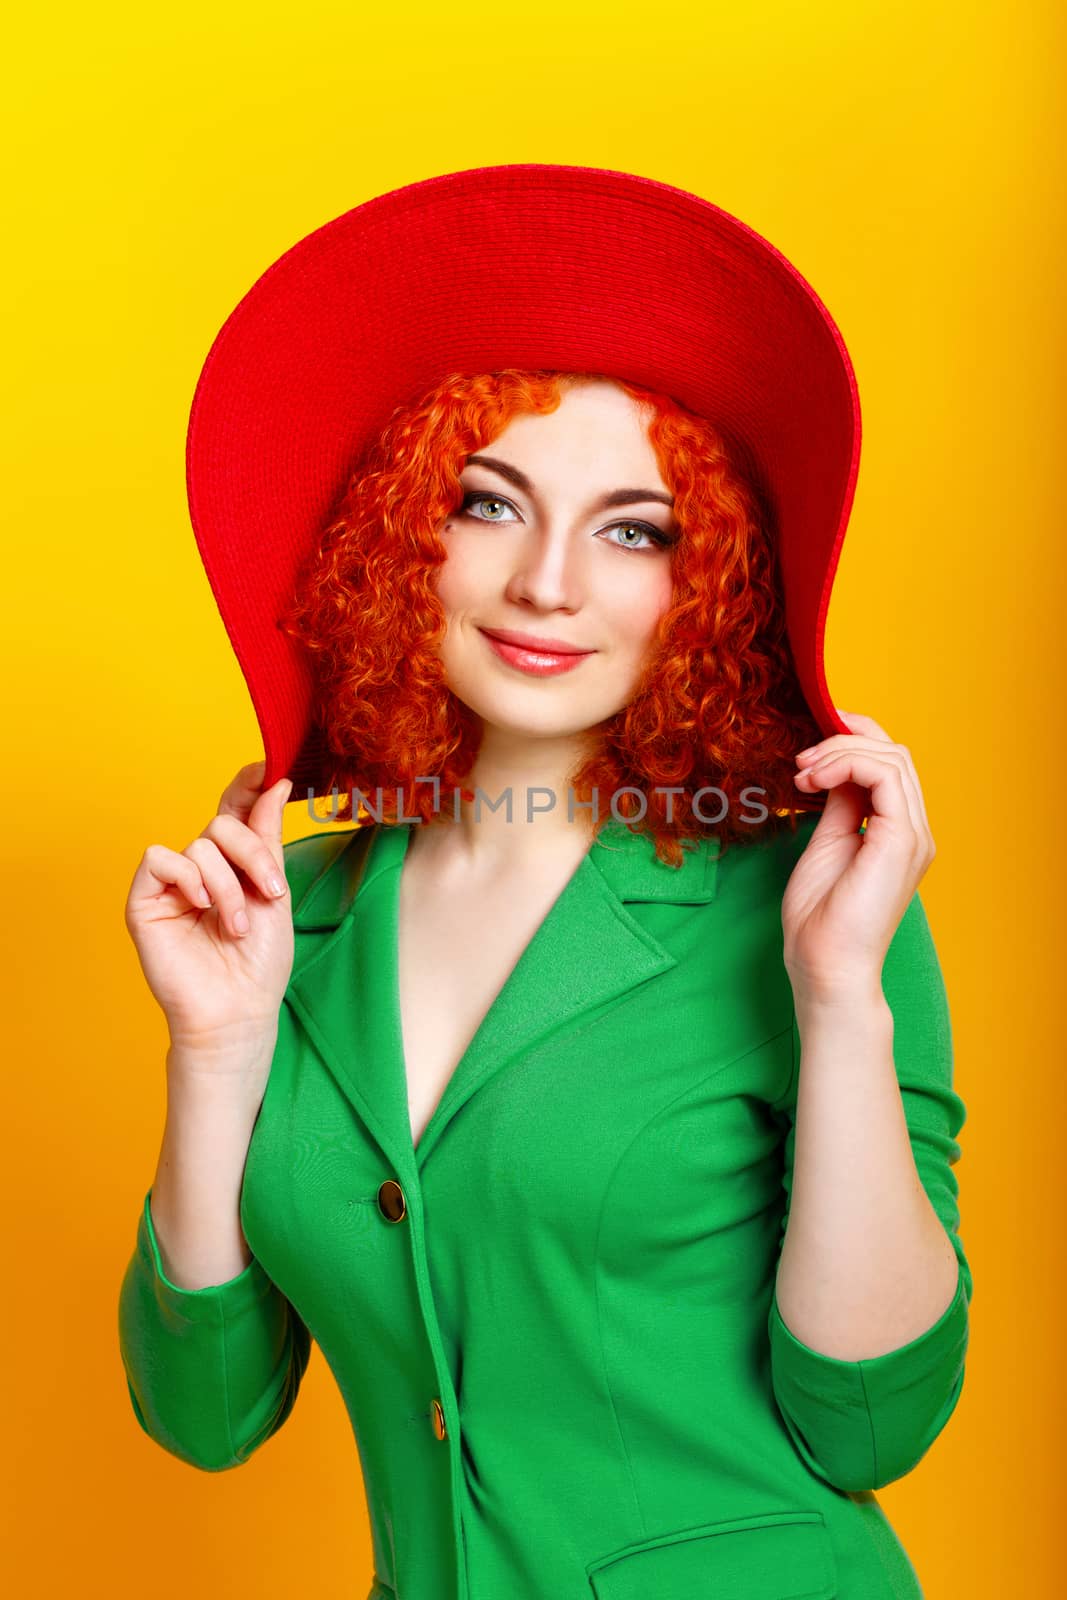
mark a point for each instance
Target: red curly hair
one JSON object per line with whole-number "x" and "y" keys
{"x": 718, "y": 704}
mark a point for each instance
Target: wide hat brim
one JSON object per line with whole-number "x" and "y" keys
{"x": 532, "y": 266}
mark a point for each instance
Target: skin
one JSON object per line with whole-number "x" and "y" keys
{"x": 865, "y": 1264}
{"x": 545, "y": 563}
{"x": 213, "y": 924}
{"x": 540, "y": 561}
{"x": 213, "y": 929}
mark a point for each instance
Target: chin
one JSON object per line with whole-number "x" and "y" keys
{"x": 553, "y": 724}
{"x": 542, "y": 708}
{"x": 561, "y": 720}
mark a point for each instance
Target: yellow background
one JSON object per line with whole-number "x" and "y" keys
{"x": 908, "y": 158}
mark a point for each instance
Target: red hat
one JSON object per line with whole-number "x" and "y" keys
{"x": 533, "y": 266}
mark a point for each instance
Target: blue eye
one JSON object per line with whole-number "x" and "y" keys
{"x": 494, "y": 499}
{"x": 651, "y": 533}
{"x": 658, "y": 539}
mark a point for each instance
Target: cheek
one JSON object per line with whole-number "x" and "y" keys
{"x": 461, "y": 578}
{"x": 639, "y": 610}
{"x": 448, "y": 580}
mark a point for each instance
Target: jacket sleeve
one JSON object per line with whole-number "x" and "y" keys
{"x": 212, "y": 1373}
{"x": 862, "y": 1424}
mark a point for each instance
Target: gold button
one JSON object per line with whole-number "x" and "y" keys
{"x": 438, "y": 1420}
{"x": 391, "y": 1202}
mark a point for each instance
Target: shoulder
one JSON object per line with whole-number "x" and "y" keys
{"x": 762, "y": 865}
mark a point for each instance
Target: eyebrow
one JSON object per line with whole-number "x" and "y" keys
{"x": 615, "y": 497}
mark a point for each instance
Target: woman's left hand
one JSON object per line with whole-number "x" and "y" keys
{"x": 848, "y": 892}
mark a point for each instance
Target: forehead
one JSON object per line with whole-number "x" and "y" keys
{"x": 596, "y": 432}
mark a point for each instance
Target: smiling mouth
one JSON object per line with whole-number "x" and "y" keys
{"x": 541, "y": 660}
{"x": 531, "y": 642}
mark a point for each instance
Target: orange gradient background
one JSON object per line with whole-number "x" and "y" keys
{"x": 908, "y": 159}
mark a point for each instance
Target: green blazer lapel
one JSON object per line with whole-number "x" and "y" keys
{"x": 342, "y": 987}
{"x": 587, "y": 953}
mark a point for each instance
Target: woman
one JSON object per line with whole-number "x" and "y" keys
{"x": 591, "y": 1112}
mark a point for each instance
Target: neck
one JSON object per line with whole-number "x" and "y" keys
{"x": 524, "y": 810}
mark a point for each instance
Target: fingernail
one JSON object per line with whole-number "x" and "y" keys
{"x": 240, "y": 922}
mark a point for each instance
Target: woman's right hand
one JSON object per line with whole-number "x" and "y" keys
{"x": 220, "y": 984}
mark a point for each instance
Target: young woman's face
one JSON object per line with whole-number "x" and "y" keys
{"x": 535, "y": 550}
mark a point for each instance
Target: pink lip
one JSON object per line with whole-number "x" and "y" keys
{"x": 540, "y": 657}
{"x": 540, "y": 643}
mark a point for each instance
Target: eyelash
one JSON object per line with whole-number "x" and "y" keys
{"x": 660, "y": 539}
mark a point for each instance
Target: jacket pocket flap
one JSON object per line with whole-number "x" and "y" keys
{"x": 785, "y": 1555}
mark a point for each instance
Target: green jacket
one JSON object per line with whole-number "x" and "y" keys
{"x": 554, "y": 1324}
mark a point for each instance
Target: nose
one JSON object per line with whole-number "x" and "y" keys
{"x": 546, "y": 571}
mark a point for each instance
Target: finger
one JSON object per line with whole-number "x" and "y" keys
{"x": 162, "y": 869}
{"x": 915, "y": 789}
{"x": 900, "y": 753}
{"x": 842, "y": 744}
{"x": 257, "y": 852}
{"x": 883, "y": 773}
{"x": 223, "y": 884}
{"x": 867, "y": 730}
{"x": 268, "y": 813}
{"x": 845, "y": 741}
{"x": 243, "y": 790}
{"x": 862, "y": 724}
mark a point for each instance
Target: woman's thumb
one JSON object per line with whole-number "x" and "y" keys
{"x": 273, "y": 801}
{"x": 285, "y": 789}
